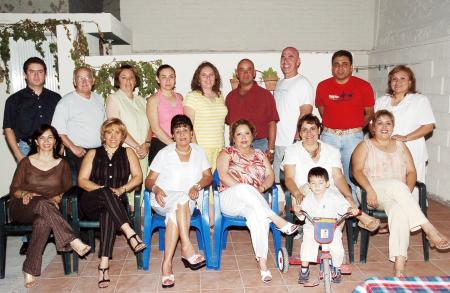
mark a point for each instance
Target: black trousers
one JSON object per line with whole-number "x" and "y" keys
{"x": 104, "y": 206}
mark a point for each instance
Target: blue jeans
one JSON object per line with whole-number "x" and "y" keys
{"x": 346, "y": 144}
{"x": 260, "y": 144}
{"x": 24, "y": 147}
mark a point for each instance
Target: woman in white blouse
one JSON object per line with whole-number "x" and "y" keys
{"x": 414, "y": 118}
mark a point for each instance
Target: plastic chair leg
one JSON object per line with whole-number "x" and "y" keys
{"x": 162, "y": 233}
{"x": 91, "y": 235}
{"x": 350, "y": 243}
{"x": 426, "y": 247}
{"x": 66, "y": 262}
{"x": 2, "y": 254}
{"x": 364, "y": 246}
{"x": 199, "y": 240}
{"x": 224, "y": 239}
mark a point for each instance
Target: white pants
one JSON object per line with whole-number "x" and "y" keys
{"x": 244, "y": 200}
{"x": 403, "y": 211}
{"x": 310, "y": 247}
{"x": 173, "y": 199}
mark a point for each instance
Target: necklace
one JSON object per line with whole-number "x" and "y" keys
{"x": 184, "y": 152}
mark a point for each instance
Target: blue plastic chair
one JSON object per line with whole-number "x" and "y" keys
{"x": 223, "y": 222}
{"x": 199, "y": 221}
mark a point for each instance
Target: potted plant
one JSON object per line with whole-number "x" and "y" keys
{"x": 234, "y": 81}
{"x": 270, "y": 78}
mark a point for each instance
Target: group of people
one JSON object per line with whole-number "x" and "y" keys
{"x": 110, "y": 146}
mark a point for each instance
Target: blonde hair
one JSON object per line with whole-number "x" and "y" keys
{"x": 111, "y": 122}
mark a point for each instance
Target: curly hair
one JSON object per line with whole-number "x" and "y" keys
{"x": 40, "y": 131}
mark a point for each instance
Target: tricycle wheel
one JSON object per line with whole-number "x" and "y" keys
{"x": 283, "y": 260}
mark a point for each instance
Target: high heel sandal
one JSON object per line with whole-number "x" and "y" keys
{"x": 170, "y": 278}
{"x": 29, "y": 280}
{"x": 79, "y": 247}
{"x": 140, "y": 246}
{"x": 189, "y": 262}
{"x": 103, "y": 280}
{"x": 289, "y": 228}
{"x": 441, "y": 244}
{"x": 371, "y": 226}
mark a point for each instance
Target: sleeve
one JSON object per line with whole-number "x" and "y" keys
{"x": 335, "y": 158}
{"x": 368, "y": 95}
{"x": 61, "y": 116}
{"x": 228, "y": 117}
{"x": 9, "y": 113}
{"x": 271, "y": 108}
{"x": 305, "y": 92}
{"x": 424, "y": 112}
{"x": 19, "y": 177}
{"x": 291, "y": 156}
{"x": 158, "y": 162}
{"x": 379, "y": 104}
{"x": 189, "y": 100}
{"x": 319, "y": 95}
{"x": 66, "y": 176}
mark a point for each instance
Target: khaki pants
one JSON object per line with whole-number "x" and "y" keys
{"x": 310, "y": 247}
{"x": 403, "y": 211}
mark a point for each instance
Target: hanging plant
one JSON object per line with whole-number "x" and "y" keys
{"x": 104, "y": 83}
{"x": 28, "y": 30}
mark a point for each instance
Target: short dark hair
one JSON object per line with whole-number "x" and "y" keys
{"x": 34, "y": 60}
{"x": 318, "y": 172}
{"x": 310, "y": 119}
{"x": 342, "y": 53}
{"x": 38, "y": 132}
{"x": 122, "y": 68}
{"x": 195, "y": 83}
{"x": 238, "y": 123}
{"x": 180, "y": 120}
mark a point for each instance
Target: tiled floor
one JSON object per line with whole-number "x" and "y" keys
{"x": 239, "y": 271}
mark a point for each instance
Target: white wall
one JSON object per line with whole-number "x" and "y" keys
{"x": 250, "y": 25}
{"x": 415, "y": 32}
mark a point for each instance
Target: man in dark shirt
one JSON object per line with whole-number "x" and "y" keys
{"x": 28, "y": 108}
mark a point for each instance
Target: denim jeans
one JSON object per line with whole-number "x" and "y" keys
{"x": 260, "y": 144}
{"x": 24, "y": 147}
{"x": 345, "y": 144}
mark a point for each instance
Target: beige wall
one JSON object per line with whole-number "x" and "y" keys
{"x": 415, "y": 32}
{"x": 34, "y": 6}
{"x": 251, "y": 25}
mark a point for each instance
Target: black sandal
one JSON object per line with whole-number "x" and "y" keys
{"x": 103, "y": 280}
{"x": 140, "y": 246}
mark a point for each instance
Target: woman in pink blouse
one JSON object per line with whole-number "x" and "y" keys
{"x": 384, "y": 167}
{"x": 245, "y": 173}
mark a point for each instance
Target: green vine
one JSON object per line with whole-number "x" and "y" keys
{"x": 28, "y": 30}
{"x": 146, "y": 71}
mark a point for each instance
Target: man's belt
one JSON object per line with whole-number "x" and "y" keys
{"x": 340, "y": 132}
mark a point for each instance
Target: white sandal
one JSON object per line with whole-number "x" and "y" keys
{"x": 266, "y": 276}
{"x": 170, "y": 278}
{"x": 289, "y": 228}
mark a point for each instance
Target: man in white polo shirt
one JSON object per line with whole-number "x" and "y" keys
{"x": 78, "y": 118}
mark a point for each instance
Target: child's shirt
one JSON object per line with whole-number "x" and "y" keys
{"x": 332, "y": 205}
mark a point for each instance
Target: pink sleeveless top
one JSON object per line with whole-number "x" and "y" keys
{"x": 166, "y": 110}
{"x": 385, "y": 165}
{"x": 246, "y": 169}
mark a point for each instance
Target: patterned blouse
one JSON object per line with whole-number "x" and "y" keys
{"x": 247, "y": 169}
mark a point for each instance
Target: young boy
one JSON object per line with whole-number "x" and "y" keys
{"x": 322, "y": 202}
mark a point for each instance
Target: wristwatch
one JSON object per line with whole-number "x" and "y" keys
{"x": 272, "y": 151}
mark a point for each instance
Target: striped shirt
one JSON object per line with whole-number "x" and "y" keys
{"x": 209, "y": 122}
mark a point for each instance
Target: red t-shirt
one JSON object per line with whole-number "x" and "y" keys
{"x": 257, "y": 106}
{"x": 343, "y": 104}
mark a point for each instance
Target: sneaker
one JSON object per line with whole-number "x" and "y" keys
{"x": 303, "y": 277}
{"x": 336, "y": 276}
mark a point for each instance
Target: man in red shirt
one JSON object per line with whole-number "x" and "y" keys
{"x": 345, "y": 103}
{"x": 255, "y": 104}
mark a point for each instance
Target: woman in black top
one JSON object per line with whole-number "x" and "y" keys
{"x": 105, "y": 177}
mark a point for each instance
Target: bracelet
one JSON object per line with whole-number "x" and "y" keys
{"x": 124, "y": 189}
{"x": 153, "y": 188}
{"x": 148, "y": 141}
{"x": 23, "y": 193}
{"x": 297, "y": 193}
{"x": 198, "y": 186}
